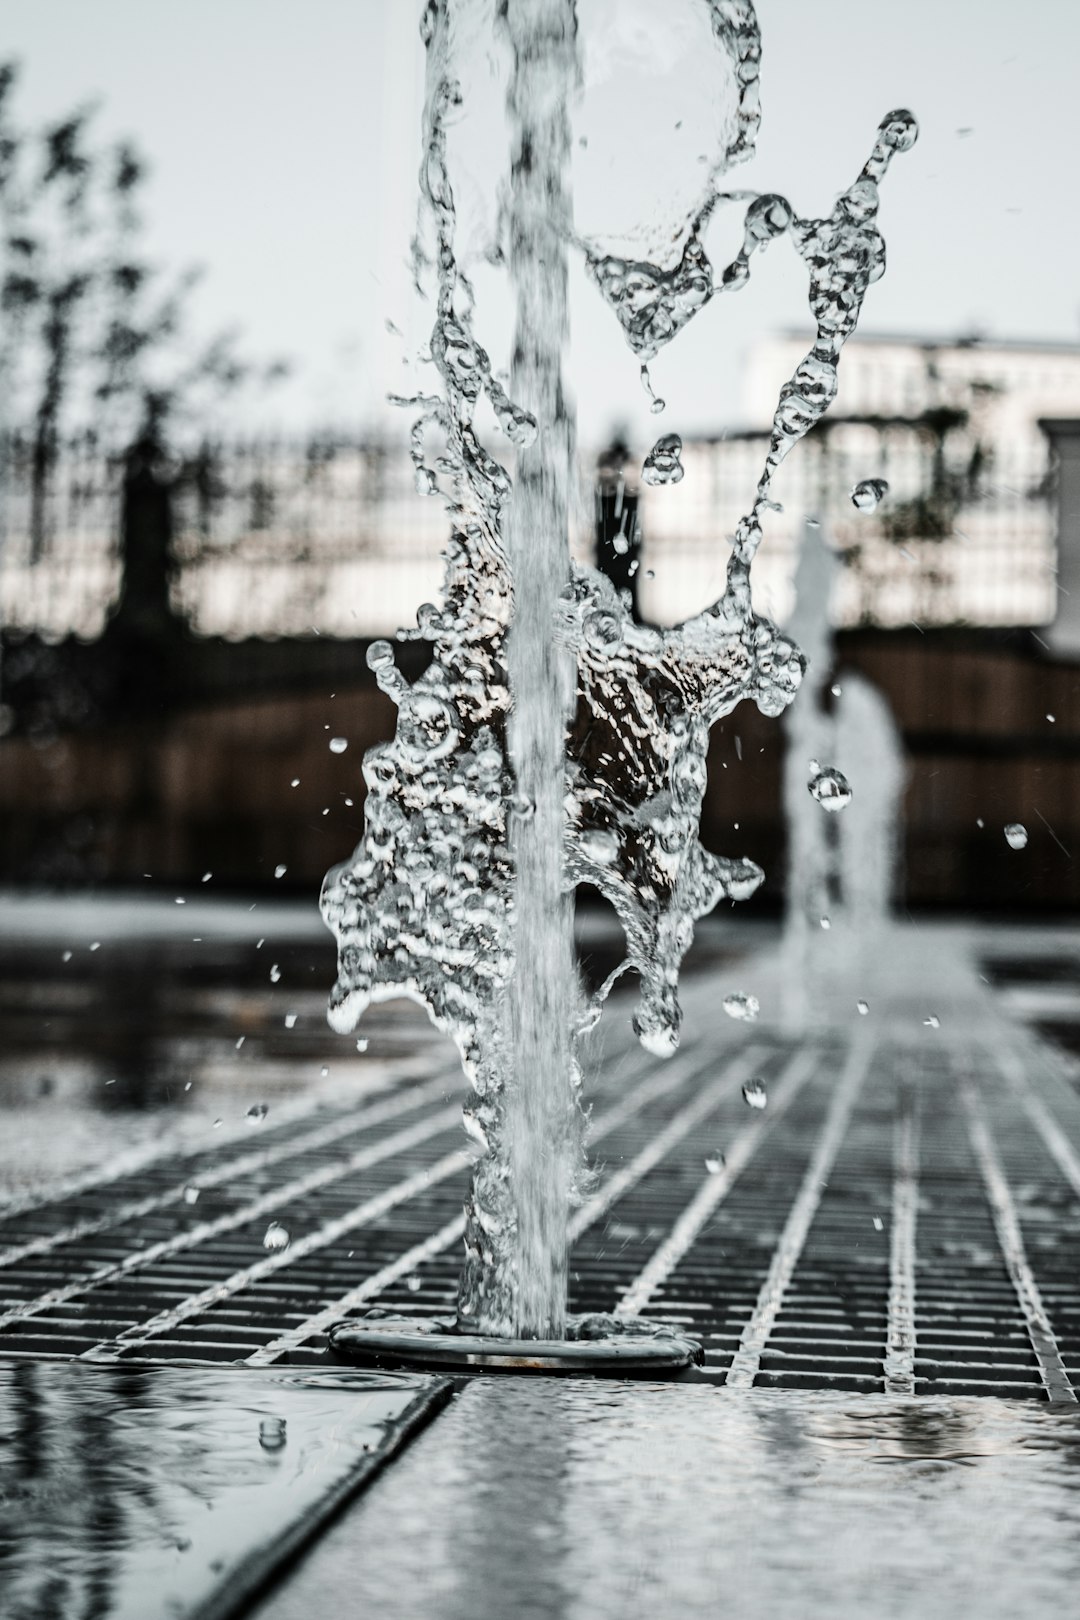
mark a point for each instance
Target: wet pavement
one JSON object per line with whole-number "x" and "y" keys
{"x": 156, "y": 1494}
{"x": 898, "y": 1229}
{"x": 130, "y": 1027}
{"x": 565, "y": 1501}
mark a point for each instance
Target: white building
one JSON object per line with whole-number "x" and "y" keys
{"x": 967, "y": 532}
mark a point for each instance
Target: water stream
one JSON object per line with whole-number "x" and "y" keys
{"x": 505, "y": 787}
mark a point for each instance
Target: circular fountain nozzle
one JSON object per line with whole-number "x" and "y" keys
{"x": 606, "y": 1346}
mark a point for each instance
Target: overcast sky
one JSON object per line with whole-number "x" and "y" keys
{"x": 279, "y": 133}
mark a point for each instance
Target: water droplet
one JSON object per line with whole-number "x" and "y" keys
{"x": 932, "y": 1022}
{"x": 258, "y": 1111}
{"x": 180, "y": 900}
{"x": 742, "y": 1006}
{"x": 826, "y": 924}
{"x": 324, "y": 1071}
{"x": 413, "y": 1284}
{"x": 868, "y": 494}
{"x": 280, "y": 871}
{"x": 338, "y": 745}
{"x": 662, "y": 464}
{"x": 714, "y": 1163}
{"x": 66, "y": 956}
{"x": 207, "y": 876}
{"x": 96, "y": 945}
{"x": 1051, "y": 718}
{"x": 240, "y": 1042}
{"x": 277, "y": 1237}
{"x": 272, "y": 1433}
{"x": 835, "y": 690}
{"x": 879, "y": 1224}
{"x": 863, "y": 1006}
{"x": 829, "y": 786}
{"x": 275, "y": 974}
{"x": 295, "y": 782}
{"x": 191, "y": 1195}
{"x": 754, "y": 1093}
{"x": 362, "y": 1045}
{"x": 899, "y": 130}
{"x": 1016, "y": 835}
{"x": 290, "y": 1020}
{"x": 979, "y": 822}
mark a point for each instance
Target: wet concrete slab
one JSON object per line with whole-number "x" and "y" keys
{"x": 173, "y": 1494}
{"x": 558, "y": 1500}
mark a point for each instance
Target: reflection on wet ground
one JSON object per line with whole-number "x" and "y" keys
{"x": 129, "y": 1028}
{"x": 141, "y": 1493}
{"x": 132, "y": 1023}
{"x": 560, "y": 1499}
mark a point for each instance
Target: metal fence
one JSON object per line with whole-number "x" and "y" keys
{"x": 278, "y": 539}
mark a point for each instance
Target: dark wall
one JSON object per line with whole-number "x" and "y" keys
{"x": 206, "y": 786}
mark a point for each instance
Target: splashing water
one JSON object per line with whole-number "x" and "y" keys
{"x": 829, "y": 787}
{"x": 662, "y": 464}
{"x": 868, "y": 494}
{"x": 742, "y": 1006}
{"x": 552, "y": 741}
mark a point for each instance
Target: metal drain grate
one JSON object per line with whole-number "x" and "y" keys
{"x": 890, "y": 1221}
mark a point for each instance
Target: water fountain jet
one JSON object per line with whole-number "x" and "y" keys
{"x": 504, "y": 787}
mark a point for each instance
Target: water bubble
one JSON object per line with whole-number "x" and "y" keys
{"x": 290, "y": 1020}
{"x": 191, "y": 1195}
{"x": 742, "y": 1006}
{"x": 662, "y": 464}
{"x": 272, "y": 1435}
{"x": 258, "y": 1111}
{"x": 338, "y": 745}
{"x": 829, "y": 786}
{"x": 276, "y": 1237}
{"x": 754, "y": 1093}
{"x": 280, "y": 871}
{"x": 864, "y": 1007}
{"x": 1016, "y": 835}
{"x": 275, "y": 974}
{"x": 869, "y": 493}
{"x": 714, "y": 1163}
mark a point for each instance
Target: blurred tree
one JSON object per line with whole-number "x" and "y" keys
{"x": 94, "y": 350}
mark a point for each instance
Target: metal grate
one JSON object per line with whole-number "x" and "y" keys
{"x": 888, "y": 1222}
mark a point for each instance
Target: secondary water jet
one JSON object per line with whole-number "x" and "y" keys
{"x": 553, "y": 741}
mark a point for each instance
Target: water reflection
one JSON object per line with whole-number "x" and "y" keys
{"x": 133, "y": 1492}
{"x": 688, "y": 1500}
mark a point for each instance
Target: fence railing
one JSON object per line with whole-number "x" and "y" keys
{"x": 286, "y": 539}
